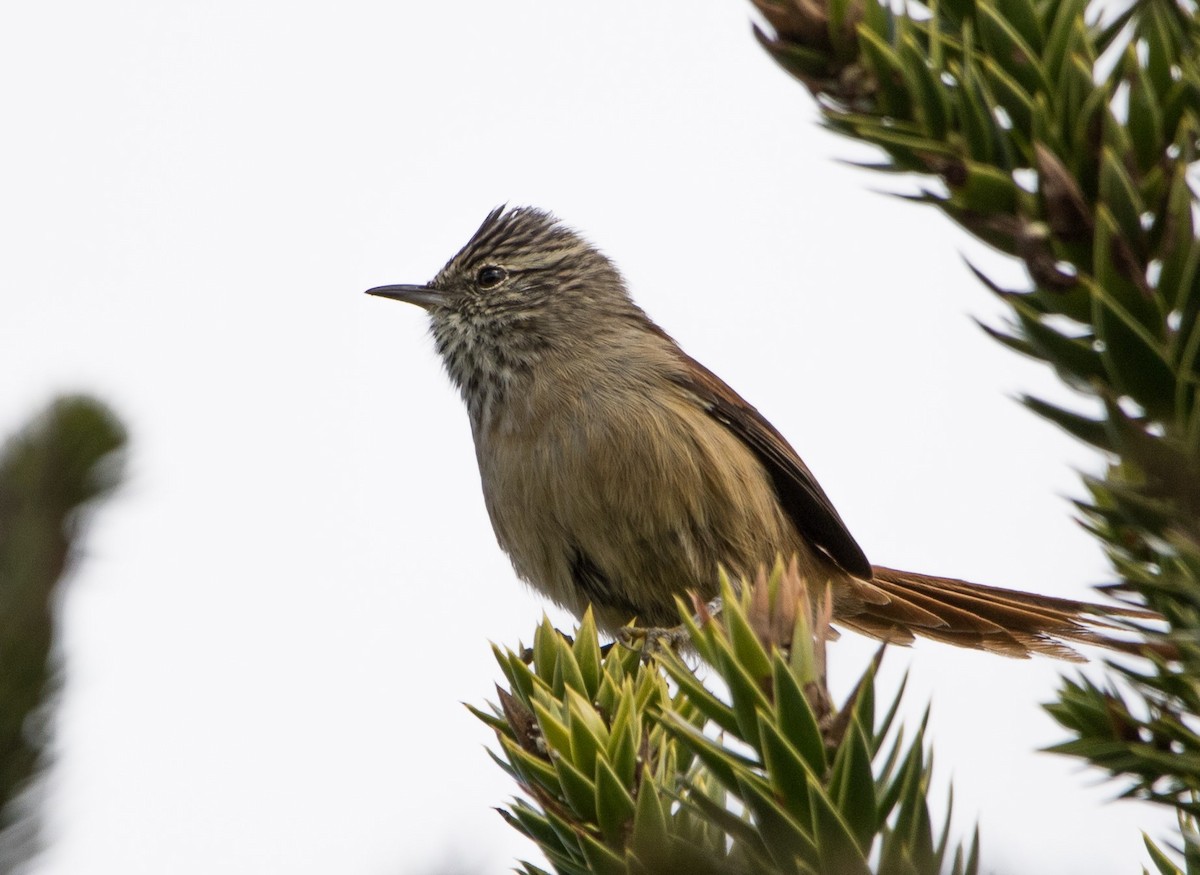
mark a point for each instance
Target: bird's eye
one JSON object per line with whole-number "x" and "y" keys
{"x": 490, "y": 276}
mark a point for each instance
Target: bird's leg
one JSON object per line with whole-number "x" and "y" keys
{"x": 527, "y": 652}
{"x": 671, "y": 637}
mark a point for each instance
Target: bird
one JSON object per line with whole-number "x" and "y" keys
{"x": 620, "y": 474}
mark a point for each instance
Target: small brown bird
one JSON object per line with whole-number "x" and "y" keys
{"x": 620, "y": 472}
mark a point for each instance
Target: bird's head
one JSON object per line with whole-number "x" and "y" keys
{"x": 524, "y": 287}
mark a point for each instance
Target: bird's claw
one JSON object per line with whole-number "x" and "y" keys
{"x": 652, "y": 638}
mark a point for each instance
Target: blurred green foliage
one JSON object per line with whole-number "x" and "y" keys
{"x": 51, "y": 474}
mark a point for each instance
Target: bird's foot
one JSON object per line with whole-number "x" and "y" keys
{"x": 652, "y": 638}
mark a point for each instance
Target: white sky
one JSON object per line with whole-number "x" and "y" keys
{"x": 279, "y": 616}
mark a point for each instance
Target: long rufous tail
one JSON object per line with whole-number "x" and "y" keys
{"x": 898, "y": 605}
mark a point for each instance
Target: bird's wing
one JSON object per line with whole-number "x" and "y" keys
{"x": 803, "y": 499}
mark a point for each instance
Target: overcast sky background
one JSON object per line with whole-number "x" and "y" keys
{"x": 278, "y": 617}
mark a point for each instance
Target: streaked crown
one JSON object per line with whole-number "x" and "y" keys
{"x": 524, "y": 287}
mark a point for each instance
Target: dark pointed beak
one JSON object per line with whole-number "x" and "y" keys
{"x": 422, "y": 296}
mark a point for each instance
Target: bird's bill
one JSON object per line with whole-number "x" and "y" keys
{"x": 422, "y": 296}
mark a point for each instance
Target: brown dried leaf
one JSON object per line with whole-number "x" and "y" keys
{"x": 1066, "y": 209}
{"x": 523, "y": 723}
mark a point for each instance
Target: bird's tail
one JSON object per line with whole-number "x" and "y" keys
{"x": 898, "y": 605}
